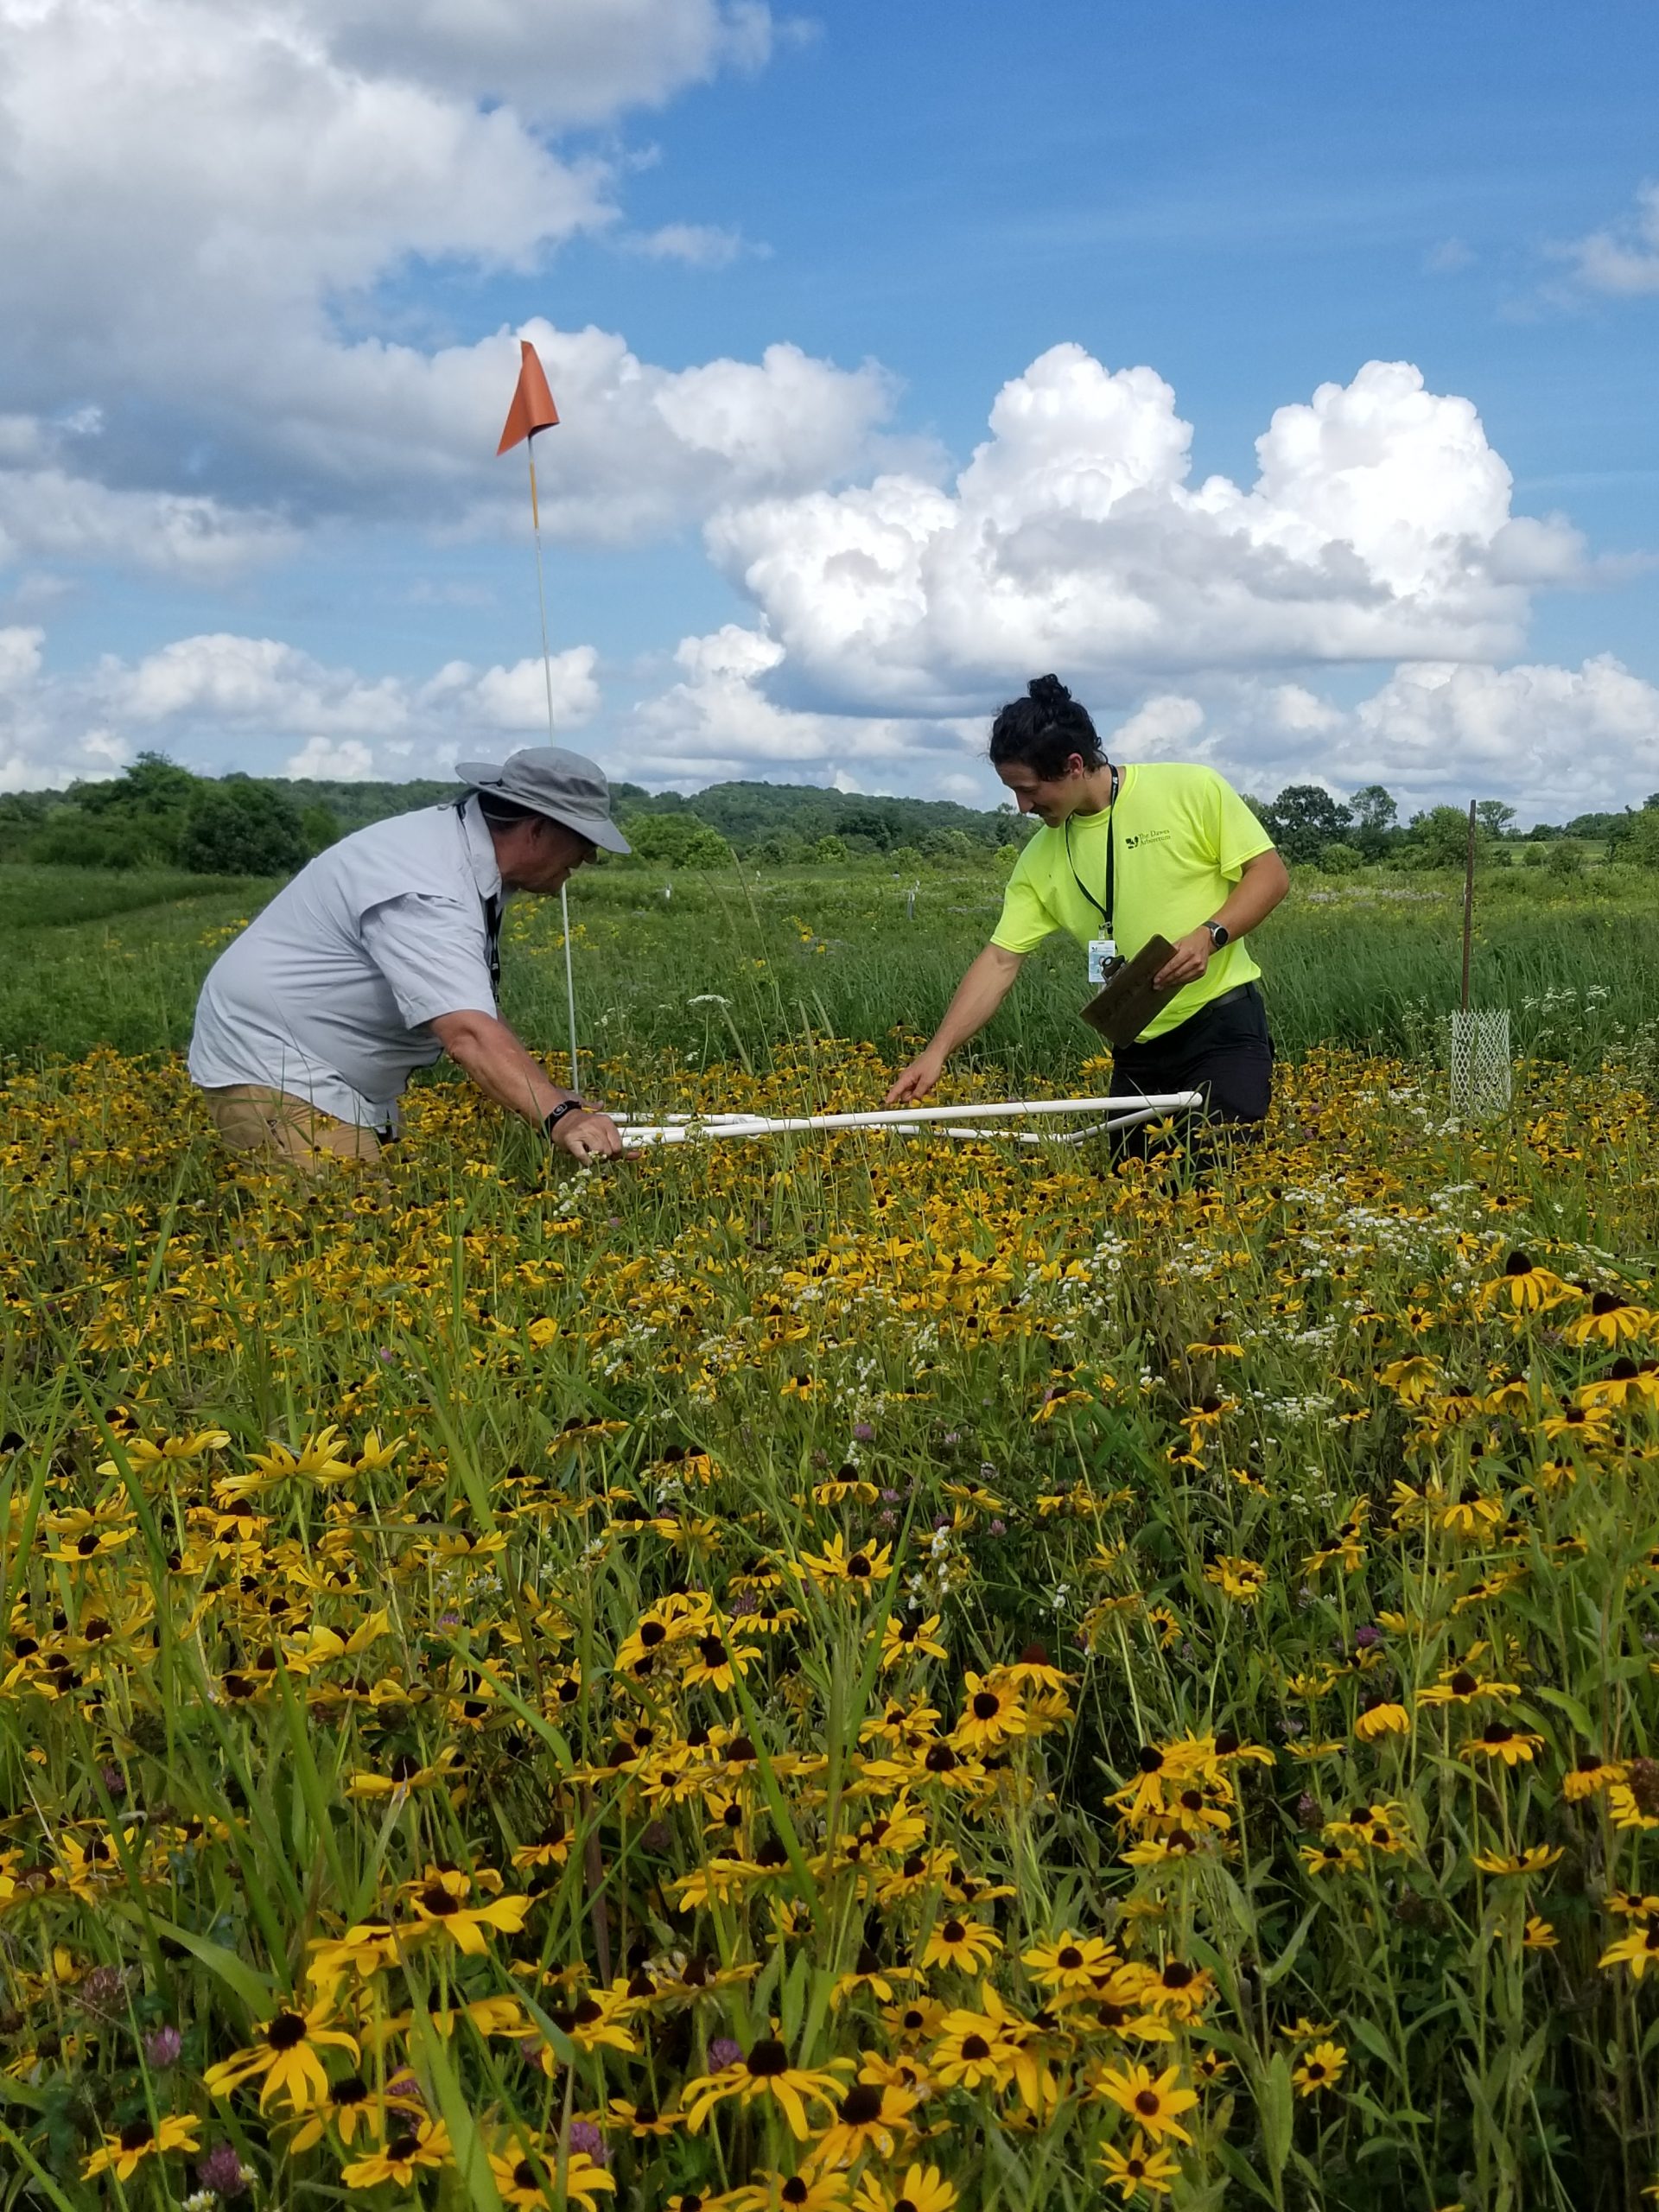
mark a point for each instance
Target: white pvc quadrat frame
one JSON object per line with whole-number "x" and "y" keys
{"x": 1126, "y": 1113}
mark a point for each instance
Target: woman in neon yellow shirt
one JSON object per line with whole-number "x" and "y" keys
{"x": 1126, "y": 853}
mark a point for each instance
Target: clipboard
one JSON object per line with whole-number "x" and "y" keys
{"x": 1128, "y": 1000}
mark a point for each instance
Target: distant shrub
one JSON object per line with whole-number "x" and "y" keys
{"x": 1641, "y": 842}
{"x": 677, "y": 841}
{"x": 1565, "y": 857}
{"x": 321, "y": 826}
{"x": 70, "y": 840}
{"x": 238, "y": 827}
{"x": 1339, "y": 859}
{"x": 831, "y": 849}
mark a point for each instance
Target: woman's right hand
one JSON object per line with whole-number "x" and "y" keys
{"x": 917, "y": 1080}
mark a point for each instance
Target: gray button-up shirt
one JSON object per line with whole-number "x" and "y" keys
{"x": 328, "y": 993}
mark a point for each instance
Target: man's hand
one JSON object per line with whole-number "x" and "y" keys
{"x": 586, "y": 1137}
{"x": 917, "y": 1080}
{"x": 1191, "y": 955}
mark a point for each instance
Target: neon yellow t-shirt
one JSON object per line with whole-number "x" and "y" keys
{"x": 1182, "y": 837}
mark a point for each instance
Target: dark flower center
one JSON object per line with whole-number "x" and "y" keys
{"x": 1071, "y": 1958}
{"x": 524, "y": 2176}
{"x": 1149, "y": 1759}
{"x": 403, "y": 2147}
{"x": 286, "y": 2030}
{"x": 1463, "y": 1683}
{"x": 135, "y": 2134}
{"x": 986, "y": 1704}
{"x": 953, "y": 1931}
{"x": 975, "y": 2047}
{"x": 1147, "y": 2103}
{"x": 1176, "y": 1975}
{"x": 438, "y": 1901}
{"x": 768, "y": 2058}
{"x": 862, "y": 2103}
{"x": 859, "y": 1564}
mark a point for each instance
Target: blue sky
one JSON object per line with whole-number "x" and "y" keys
{"x": 1251, "y": 204}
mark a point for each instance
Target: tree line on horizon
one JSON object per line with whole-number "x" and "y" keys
{"x": 157, "y": 814}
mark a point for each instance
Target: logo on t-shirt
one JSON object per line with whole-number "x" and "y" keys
{"x": 1145, "y": 837}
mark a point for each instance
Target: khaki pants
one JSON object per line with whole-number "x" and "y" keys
{"x": 252, "y": 1119}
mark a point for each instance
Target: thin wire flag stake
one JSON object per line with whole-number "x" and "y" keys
{"x": 532, "y": 410}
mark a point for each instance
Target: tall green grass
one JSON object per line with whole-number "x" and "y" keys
{"x": 725, "y": 965}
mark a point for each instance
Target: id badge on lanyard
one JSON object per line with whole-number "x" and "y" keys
{"x": 1102, "y": 949}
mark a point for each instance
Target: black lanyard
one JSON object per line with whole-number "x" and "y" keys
{"x": 1105, "y": 912}
{"x": 492, "y": 916}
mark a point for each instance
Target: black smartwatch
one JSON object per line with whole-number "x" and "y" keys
{"x": 550, "y": 1122}
{"x": 1219, "y": 934}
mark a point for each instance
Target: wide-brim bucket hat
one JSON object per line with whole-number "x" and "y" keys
{"x": 567, "y": 787}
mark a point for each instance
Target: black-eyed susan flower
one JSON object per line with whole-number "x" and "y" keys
{"x": 873, "y": 2116}
{"x": 1537, "y": 1858}
{"x": 124, "y": 2151}
{"x": 528, "y": 2175}
{"x": 284, "y": 2059}
{"x": 443, "y": 1905}
{"x": 765, "y": 2074}
{"x": 1141, "y": 2167}
{"x": 1153, "y": 2102}
{"x": 1385, "y": 1717}
{"x": 1498, "y": 1740}
{"x": 970, "y": 2052}
{"x": 1589, "y": 1776}
{"x": 1318, "y": 2069}
{"x": 1638, "y": 1950}
{"x": 1070, "y": 1962}
{"x": 919, "y": 2189}
{"x": 964, "y": 1943}
{"x": 406, "y": 2152}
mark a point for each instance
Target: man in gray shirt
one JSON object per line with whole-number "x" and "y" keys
{"x": 382, "y": 954}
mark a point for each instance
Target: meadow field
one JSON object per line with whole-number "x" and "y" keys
{"x": 868, "y": 1673}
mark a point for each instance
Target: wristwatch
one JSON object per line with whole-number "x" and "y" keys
{"x": 1219, "y": 933}
{"x": 550, "y": 1122}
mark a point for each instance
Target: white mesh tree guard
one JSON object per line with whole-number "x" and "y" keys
{"x": 1479, "y": 1064}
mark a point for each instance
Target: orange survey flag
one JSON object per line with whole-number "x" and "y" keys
{"x": 532, "y": 407}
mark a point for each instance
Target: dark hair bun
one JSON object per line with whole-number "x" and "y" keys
{"x": 1049, "y": 691}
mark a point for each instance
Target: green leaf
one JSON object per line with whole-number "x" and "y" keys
{"x": 1286, "y": 1958}
{"x": 253, "y": 1988}
{"x": 1276, "y": 2103}
{"x": 471, "y": 2161}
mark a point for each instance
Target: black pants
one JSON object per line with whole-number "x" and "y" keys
{"x": 1223, "y": 1050}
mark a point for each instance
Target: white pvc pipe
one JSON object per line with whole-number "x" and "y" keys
{"x": 1121, "y": 1112}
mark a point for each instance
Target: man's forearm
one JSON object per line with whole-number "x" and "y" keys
{"x": 980, "y": 993}
{"x": 489, "y": 1052}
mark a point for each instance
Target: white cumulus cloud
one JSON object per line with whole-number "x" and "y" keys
{"x": 223, "y": 699}
{"x": 201, "y": 202}
{"x": 1378, "y": 527}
